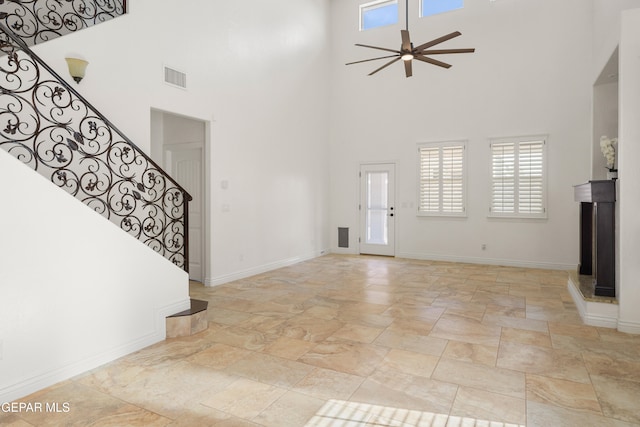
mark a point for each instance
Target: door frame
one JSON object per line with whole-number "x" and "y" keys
{"x": 362, "y": 199}
{"x": 167, "y": 150}
{"x": 158, "y": 142}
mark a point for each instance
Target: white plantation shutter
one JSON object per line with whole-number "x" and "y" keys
{"x": 429, "y": 180}
{"x": 452, "y": 179}
{"x": 503, "y": 186}
{"x": 517, "y": 178}
{"x": 441, "y": 173}
{"x": 530, "y": 179}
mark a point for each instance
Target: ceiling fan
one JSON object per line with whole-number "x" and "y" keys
{"x": 408, "y": 53}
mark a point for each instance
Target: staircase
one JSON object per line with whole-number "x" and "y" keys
{"x": 188, "y": 322}
{"x": 49, "y": 127}
{"x": 38, "y": 21}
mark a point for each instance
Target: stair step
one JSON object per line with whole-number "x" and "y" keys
{"x": 196, "y": 307}
{"x": 188, "y": 322}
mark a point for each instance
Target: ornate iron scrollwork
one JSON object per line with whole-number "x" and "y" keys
{"x": 48, "y": 126}
{"x": 36, "y": 21}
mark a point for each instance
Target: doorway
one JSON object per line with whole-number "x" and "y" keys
{"x": 184, "y": 162}
{"x": 179, "y": 144}
{"x": 377, "y": 209}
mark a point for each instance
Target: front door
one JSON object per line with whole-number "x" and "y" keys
{"x": 377, "y": 209}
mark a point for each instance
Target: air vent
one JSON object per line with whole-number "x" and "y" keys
{"x": 343, "y": 237}
{"x": 175, "y": 78}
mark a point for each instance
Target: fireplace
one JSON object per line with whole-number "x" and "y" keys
{"x": 597, "y": 234}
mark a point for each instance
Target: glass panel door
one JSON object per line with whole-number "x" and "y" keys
{"x": 377, "y": 207}
{"x": 377, "y": 216}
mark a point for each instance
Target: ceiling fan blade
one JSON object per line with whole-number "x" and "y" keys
{"x": 372, "y": 59}
{"x": 379, "y": 48}
{"x": 446, "y": 51}
{"x": 406, "y": 41}
{"x": 407, "y": 68}
{"x": 437, "y": 41}
{"x": 385, "y": 65}
{"x": 432, "y": 61}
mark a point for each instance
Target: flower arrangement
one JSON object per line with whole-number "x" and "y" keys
{"x": 607, "y": 146}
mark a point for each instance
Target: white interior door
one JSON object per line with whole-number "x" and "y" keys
{"x": 185, "y": 164}
{"x": 377, "y": 209}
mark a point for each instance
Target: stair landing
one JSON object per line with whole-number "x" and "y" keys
{"x": 188, "y": 322}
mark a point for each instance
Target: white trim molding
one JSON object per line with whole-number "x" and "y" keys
{"x": 600, "y": 314}
{"x": 243, "y": 274}
{"x": 629, "y": 327}
{"x": 47, "y": 379}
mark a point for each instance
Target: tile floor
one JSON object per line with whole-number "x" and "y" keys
{"x": 370, "y": 341}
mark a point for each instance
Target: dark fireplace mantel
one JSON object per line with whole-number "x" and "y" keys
{"x": 597, "y": 234}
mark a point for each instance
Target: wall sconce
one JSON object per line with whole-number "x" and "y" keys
{"x": 77, "y": 68}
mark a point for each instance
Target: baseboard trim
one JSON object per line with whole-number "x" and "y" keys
{"x": 600, "y": 314}
{"x": 217, "y": 281}
{"x": 344, "y": 251}
{"x": 47, "y": 379}
{"x": 629, "y": 327}
{"x": 488, "y": 261}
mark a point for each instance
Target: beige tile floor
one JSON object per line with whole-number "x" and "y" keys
{"x": 370, "y": 341}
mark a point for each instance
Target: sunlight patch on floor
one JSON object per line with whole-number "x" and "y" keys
{"x": 340, "y": 413}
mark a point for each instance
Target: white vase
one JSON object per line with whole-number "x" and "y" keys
{"x": 612, "y": 174}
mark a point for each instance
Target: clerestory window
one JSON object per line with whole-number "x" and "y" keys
{"x": 433, "y": 7}
{"x": 378, "y": 13}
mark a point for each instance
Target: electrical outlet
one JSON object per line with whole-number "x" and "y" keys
{"x": 484, "y": 246}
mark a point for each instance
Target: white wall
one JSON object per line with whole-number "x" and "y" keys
{"x": 629, "y": 173}
{"x": 259, "y": 72}
{"x": 529, "y": 75}
{"x": 74, "y": 294}
{"x": 605, "y": 122}
{"x": 606, "y": 25}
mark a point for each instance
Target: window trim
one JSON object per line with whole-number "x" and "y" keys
{"x": 517, "y": 140}
{"x": 440, "y": 145}
{"x": 372, "y": 5}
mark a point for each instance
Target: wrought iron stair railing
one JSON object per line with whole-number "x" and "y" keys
{"x": 47, "y": 125}
{"x": 37, "y": 21}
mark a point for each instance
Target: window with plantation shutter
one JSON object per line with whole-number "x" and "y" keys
{"x": 441, "y": 170}
{"x": 518, "y": 183}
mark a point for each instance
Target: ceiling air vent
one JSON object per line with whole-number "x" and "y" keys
{"x": 175, "y": 78}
